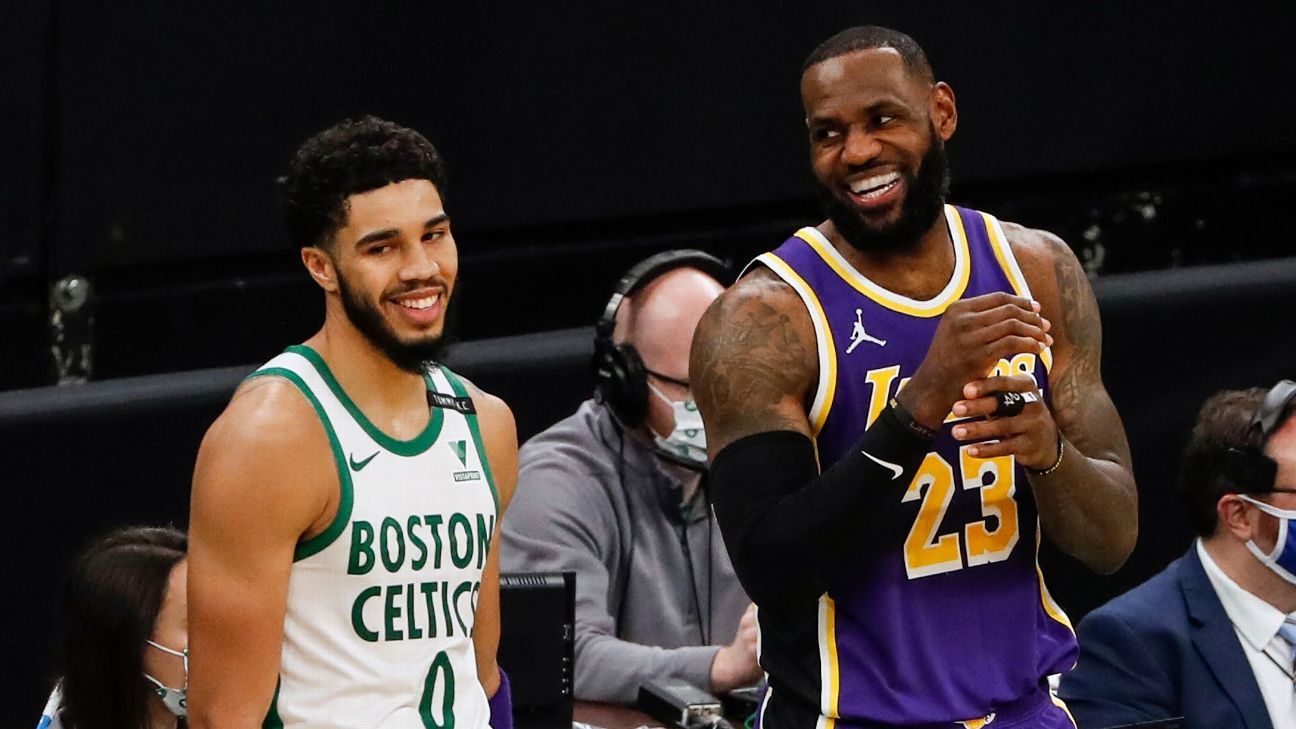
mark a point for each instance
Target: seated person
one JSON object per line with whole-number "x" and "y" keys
{"x": 1210, "y": 638}
{"x": 613, "y": 493}
{"x": 124, "y": 657}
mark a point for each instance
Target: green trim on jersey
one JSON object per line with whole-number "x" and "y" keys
{"x": 317, "y": 543}
{"x": 412, "y": 447}
{"x": 462, "y": 391}
{"x": 272, "y": 720}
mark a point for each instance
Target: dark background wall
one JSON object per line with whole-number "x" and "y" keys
{"x": 146, "y": 137}
{"x": 139, "y": 143}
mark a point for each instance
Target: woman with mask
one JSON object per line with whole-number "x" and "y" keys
{"x": 124, "y": 653}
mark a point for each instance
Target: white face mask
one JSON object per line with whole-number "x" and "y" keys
{"x": 173, "y": 698}
{"x": 1282, "y": 560}
{"x": 686, "y": 444}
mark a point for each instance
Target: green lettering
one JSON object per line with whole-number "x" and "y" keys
{"x": 362, "y": 556}
{"x": 484, "y": 533}
{"x": 357, "y": 615}
{"x": 433, "y": 522}
{"x": 429, "y": 590}
{"x": 439, "y": 673}
{"x": 392, "y": 611}
{"x": 459, "y": 520}
{"x": 418, "y": 543}
{"x": 391, "y": 525}
{"x": 445, "y": 610}
{"x": 411, "y": 625}
{"x": 460, "y": 590}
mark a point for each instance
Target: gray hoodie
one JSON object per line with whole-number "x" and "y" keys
{"x": 598, "y": 502}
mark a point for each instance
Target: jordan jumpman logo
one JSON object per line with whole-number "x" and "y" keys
{"x": 858, "y": 334}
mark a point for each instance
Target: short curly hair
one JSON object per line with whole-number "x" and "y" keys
{"x": 349, "y": 158}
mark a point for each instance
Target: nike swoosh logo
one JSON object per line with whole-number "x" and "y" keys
{"x": 356, "y": 466}
{"x": 885, "y": 464}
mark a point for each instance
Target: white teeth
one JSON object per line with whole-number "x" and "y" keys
{"x": 869, "y": 184}
{"x": 424, "y": 303}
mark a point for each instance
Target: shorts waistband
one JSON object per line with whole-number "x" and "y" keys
{"x": 782, "y": 713}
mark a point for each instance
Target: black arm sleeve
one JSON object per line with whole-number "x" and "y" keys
{"x": 791, "y": 530}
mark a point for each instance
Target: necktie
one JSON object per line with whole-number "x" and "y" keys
{"x": 1288, "y": 633}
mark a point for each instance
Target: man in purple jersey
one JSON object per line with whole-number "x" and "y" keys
{"x": 897, "y": 402}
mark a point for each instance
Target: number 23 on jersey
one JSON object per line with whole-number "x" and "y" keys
{"x": 983, "y": 541}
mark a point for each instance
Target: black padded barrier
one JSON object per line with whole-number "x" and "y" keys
{"x": 81, "y": 460}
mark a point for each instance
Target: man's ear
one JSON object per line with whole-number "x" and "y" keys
{"x": 944, "y": 112}
{"x": 319, "y": 264}
{"x": 1237, "y": 517}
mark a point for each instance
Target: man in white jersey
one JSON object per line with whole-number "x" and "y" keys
{"x": 346, "y": 503}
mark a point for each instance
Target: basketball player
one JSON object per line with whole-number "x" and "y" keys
{"x": 346, "y": 503}
{"x": 881, "y": 505}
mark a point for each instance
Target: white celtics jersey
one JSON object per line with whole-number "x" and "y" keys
{"x": 381, "y": 604}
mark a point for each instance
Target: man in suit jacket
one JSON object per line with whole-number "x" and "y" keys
{"x": 1202, "y": 638}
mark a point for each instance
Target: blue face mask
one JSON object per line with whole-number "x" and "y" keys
{"x": 1282, "y": 560}
{"x": 174, "y": 698}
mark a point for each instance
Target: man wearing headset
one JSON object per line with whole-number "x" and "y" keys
{"x": 615, "y": 493}
{"x": 1211, "y": 637}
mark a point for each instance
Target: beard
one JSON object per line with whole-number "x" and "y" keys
{"x": 412, "y": 356}
{"x": 925, "y": 193}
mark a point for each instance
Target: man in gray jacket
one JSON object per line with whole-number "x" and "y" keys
{"x": 614, "y": 492}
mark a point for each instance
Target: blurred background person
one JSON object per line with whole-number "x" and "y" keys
{"x": 1211, "y": 637}
{"x": 615, "y": 493}
{"x": 124, "y": 654}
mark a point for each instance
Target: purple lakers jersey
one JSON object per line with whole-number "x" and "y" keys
{"x": 950, "y": 622}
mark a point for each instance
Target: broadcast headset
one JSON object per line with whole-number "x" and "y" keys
{"x": 1249, "y": 465}
{"x": 620, "y": 377}
{"x": 621, "y": 383}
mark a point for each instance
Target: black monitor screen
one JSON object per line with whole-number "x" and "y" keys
{"x": 537, "y": 626}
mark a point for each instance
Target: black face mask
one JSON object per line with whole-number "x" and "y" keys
{"x": 924, "y": 200}
{"x": 409, "y": 356}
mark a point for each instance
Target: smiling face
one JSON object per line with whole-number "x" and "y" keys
{"x": 393, "y": 266}
{"x": 877, "y": 133}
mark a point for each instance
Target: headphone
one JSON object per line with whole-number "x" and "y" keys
{"x": 1249, "y": 465}
{"x": 620, "y": 377}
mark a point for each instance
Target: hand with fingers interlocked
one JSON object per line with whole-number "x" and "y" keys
{"x": 973, "y": 335}
{"x": 1030, "y": 435}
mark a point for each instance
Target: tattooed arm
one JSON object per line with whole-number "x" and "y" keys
{"x": 789, "y": 529}
{"x": 753, "y": 361}
{"x": 1089, "y": 506}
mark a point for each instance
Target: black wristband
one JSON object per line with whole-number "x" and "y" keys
{"x": 906, "y": 420}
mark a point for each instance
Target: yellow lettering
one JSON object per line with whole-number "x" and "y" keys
{"x": 926, "y": 552}
{"x": 881, "y": 380}
{"x": 986, "y": 544}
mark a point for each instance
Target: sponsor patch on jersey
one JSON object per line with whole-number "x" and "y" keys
{"x": 467, "y": 476}
{"x": 450, "y": 402}
{"x": 460, "y": 448}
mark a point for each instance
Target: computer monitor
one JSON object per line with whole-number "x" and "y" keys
{"x": 537, "y": 643}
